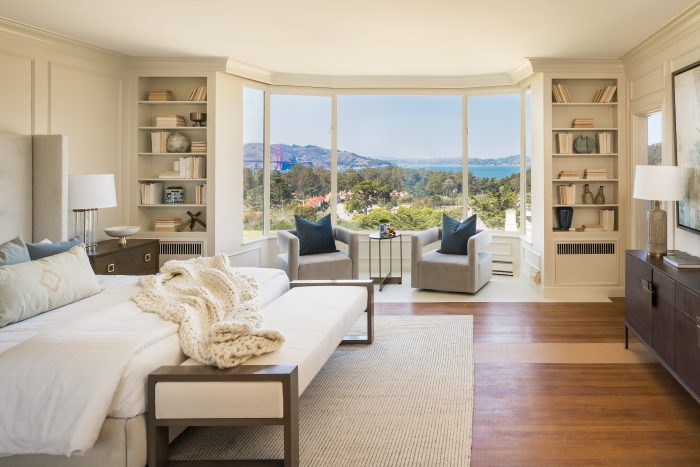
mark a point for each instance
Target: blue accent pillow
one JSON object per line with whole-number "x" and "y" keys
{"x": 455, "y": 235}
{"x": 14, "y": 252}
{"x": 42, "y": 250}
{"x": 315, "y": 237}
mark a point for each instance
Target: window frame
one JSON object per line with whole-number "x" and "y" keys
{"x": 333, "y": 93}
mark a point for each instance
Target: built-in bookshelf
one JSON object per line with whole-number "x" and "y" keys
{"x": 164, "y": 106}
{"x": 585, "y": 139}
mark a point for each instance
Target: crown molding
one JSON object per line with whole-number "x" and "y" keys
{"x": 179, "y": 64}
{"x": 520, "y": 71}
{"x": 682, "y": 25}
{"x": 569, "y": 65}
{"x": 30, "y": 35}
{"x": 251, "y": 72}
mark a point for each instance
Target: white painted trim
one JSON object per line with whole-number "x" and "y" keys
{"x": 582, "y": 292}
{"x": 565, "y": 66}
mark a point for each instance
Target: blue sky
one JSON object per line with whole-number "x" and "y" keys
{"x": 390, "y": 126}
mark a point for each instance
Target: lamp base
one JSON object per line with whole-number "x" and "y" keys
{"x": 656, "y": 231}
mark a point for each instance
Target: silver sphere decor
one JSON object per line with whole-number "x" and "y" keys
{"x": 178, "y": 142}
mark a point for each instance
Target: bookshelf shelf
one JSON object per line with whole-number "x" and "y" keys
{"x": 585, "y": 205}
{"x": 151, "y": 162}
{"x": 584, "y": 129}
{"x": 198, "y": 180}
{"x": 173, "y": 205}
{"x": 577, "y": 155}
{"x": 584, "y": 104}
{"x": 173, "y": 128}
{"x": 173, "y": 102}
{"x": 585, "y": 180}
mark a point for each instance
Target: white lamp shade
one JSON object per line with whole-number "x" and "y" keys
{"x": 657, "y": 182}
{"x": 91, "y": 191}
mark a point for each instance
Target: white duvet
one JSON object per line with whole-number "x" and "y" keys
{"x": 63, "y": 372}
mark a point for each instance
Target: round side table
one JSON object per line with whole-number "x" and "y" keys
{"x": 389, "y": 278}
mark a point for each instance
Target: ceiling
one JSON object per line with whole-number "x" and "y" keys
{"x": 357, "y": 37}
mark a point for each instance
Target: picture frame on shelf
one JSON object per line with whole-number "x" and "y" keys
{"x": 686, "y": 121}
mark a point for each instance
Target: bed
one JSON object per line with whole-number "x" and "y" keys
{"x": 34, "y": 176}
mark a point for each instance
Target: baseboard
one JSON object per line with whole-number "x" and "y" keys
{"x": 583, "y": 292}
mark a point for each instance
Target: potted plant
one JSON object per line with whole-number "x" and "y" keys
{"x": 384, "y": 224}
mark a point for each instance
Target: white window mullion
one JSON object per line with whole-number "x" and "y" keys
{"x": 334, "y": 159}
{"x": 465, "y": 156}
{"x": 266, "y": 167}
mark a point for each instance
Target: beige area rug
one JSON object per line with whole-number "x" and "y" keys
{"x": 406, "y": 400}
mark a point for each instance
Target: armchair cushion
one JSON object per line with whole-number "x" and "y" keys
{"x": 455, "y": 235}
{"x": 315, "y": 237}
{"x": 336, "y": 265}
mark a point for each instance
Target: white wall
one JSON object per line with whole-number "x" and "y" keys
{"x": 648, "y": 69}
{"x": 50, "y": 85}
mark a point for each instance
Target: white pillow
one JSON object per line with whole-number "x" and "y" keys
{"x": 33, "y": 287}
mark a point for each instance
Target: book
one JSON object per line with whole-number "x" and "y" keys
{"x": 565, "y": 143}
{"x": 567, "y": 194}
{"x": 582, "y": 123}
{"x": 604, "y": 142}
{"x": 199, "y": 93}
{"x": 160, "y": 96}
{"x": 167, "y": 225}
{"x": 151, "y": 193}
{"x": 592, "y": 228}
{"x": 158, "y": 141}
{"x": 595, "y": 174}
{"x": 682, "y": 260}
{"x": 607, "y": 219}
{"x": 170, "y": 120}
{"x": 569, "y": 175}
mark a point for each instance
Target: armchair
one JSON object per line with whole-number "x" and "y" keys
{"x": 450, "y": 273}
{"x": 337, "y": 265}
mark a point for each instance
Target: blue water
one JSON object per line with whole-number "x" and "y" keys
{"x": 478, "y": 171}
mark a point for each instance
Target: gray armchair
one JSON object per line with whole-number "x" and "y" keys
{"x": 450, "y": 273}
{"x": 338, "y": 265}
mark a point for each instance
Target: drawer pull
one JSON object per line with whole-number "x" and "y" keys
{"x": 110, "y": 267}
{"x": 147, "y": 257}
{"x": 647, "y": 286}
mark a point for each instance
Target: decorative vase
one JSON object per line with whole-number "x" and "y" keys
{"x": 178, "y": 142}
{"x": 587, "y": 195}
{"x": 174, "y": 195}
{"x": 564, "y": 218}
{"x": 600, "y": 197}
{"x": 384, "y": 229}
{"x": 584, "y": 144}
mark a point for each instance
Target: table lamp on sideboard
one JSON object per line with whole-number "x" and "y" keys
{"x": 657, "y": 183}
{"x": 86, "y": 194}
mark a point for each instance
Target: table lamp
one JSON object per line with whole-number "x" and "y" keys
{"x": 657, "y": 183}
{"x": 86, "y": 194}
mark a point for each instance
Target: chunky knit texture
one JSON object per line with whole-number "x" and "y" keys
{"x": 218, "y": 310}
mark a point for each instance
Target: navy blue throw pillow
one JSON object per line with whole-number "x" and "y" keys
{"x": 455, "y": 235}
{"x": 42, "y": 250}
{"x": 315, "y": 237}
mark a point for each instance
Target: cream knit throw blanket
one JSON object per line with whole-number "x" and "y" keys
{"x": 218, "y": 310}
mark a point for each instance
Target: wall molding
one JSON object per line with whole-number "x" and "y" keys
{"x": 679, "y": 27}
{"x": 570, "y": 65}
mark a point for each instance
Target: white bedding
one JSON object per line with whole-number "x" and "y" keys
{"x": 162, "y": 347}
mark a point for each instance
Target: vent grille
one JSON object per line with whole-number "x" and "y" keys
{"x": 181, "y": 248}
{"x": 593, "y": 248}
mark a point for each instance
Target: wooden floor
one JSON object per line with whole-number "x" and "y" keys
{"x": 569, "y": 414}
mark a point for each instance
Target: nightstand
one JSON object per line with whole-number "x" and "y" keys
{"x": 137, "y": 258}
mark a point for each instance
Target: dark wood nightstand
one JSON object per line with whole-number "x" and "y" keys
{"x": 137, "y": 258}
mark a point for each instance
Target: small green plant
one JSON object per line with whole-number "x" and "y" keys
{"x": 384, "y": 220}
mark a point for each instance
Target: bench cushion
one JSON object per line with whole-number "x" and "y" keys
{"x": 313, "y": 319}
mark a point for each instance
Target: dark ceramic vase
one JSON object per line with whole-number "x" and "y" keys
{"x": 564, "y": 218}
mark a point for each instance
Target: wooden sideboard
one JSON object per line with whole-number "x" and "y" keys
{"x": 662, "y": 307}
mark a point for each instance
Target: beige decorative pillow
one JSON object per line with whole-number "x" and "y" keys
{"x": 34, "y": 287}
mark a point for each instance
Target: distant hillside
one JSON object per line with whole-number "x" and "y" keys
{"x": 316, "y": 156}
{"x": 310, "y": 155}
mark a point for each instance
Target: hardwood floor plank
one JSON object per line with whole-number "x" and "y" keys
{"x": 529, "y": 414}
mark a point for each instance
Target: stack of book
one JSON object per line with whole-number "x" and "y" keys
{"x": 167, "y": 225}
{"x": 200, "y": 194}
{"x": 682, "y": 260}
{"x": 152, "y": 193}
{"x": 565, "y": 143}
{"x": 605, "y": 95}
{"x": 592, "y": 228}
{"x": 161, "y": 96}
{"x": 607, "y": 219}
{"x": 567, "y": 194}
{"x": 561, "y": 93}
{"x": 604, "y": 141}
{"x": 192, "y": 167}
{"x": 582, "y": 123}
{"x": 569, "y": 175}
{"x": 199, "y": 93}
{"x": 170, "y": 120}
{"x": 595, "y": 174}
{"x": 158, "y": 141}
{"x": 199, "y": 146}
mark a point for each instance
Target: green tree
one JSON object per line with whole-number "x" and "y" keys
{"x": 366, "y": 193}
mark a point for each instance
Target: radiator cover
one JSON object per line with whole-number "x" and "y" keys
{"x": 181, "y": 249}
{"x": 586, "y": 263}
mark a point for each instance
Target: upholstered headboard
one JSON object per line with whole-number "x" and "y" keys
{"x": 33, "y": 187}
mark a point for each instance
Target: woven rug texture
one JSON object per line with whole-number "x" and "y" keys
{"x": 406, "y": 400}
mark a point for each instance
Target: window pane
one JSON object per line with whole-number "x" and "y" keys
{"x": 300, "y": 158}
{"x": 654, "y": 134}
{"x": 494, "y": 160}
{"x": 253, "y": 173}
{"x": 399, "y": 159}
{"x": 528, "y": 160}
